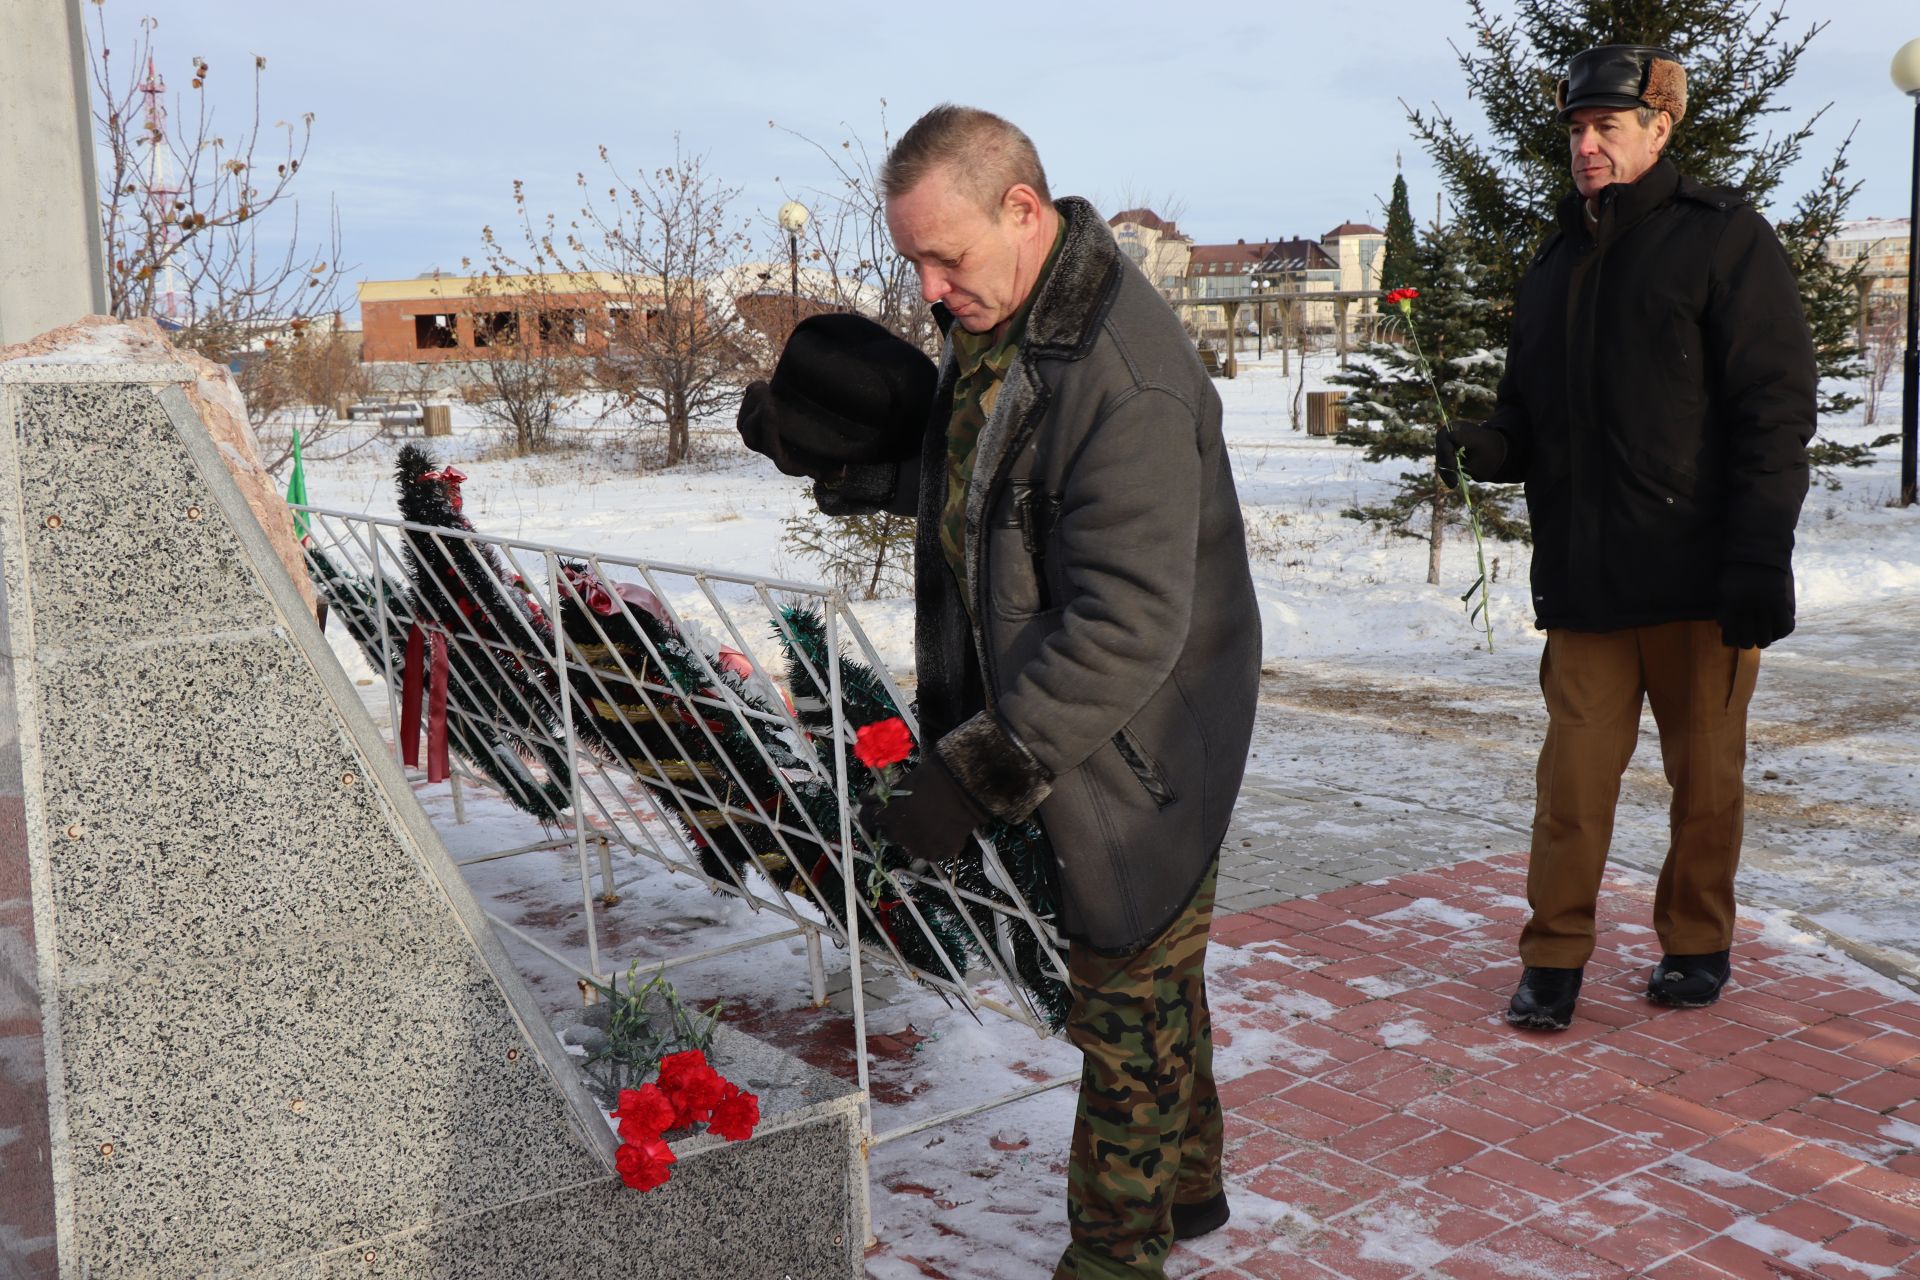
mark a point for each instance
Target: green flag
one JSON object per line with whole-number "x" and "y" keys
{"x": 297, "y": 489}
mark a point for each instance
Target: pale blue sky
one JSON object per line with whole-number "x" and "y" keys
{"x": 1279, "y": 119}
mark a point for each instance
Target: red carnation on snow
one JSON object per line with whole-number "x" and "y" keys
{"x": 1402, "y": 298}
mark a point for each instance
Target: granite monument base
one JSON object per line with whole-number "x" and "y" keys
{"x": 251, "y": 1021}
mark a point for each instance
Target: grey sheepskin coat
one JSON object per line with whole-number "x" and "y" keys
{"x": 1108, "y": 671}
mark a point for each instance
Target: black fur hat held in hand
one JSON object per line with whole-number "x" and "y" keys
{"x": 845, "y": 391}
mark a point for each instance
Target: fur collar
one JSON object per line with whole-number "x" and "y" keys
{"x": 1073, "y": 298}
{"x": 1068, "y": 311}
{"x": 1067, "y": 314}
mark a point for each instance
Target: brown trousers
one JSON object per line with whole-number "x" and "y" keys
{"x": 1594, "y": 685}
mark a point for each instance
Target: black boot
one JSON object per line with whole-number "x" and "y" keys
{"x": 1545, "y": 999}
{"x": 1689, "y": 982}
{"x": 1191, "y": 1221}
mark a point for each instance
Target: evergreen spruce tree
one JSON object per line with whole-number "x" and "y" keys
{"x": 1390, "y": 406}
{"x": 1738, "y": 57}
{"x": 1830, "y": 292}
{"x": 864, "y": 555}
{"x": 1397, "y": 270}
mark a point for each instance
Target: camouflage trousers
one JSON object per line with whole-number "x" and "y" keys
{"x": 1147, "y": 1133}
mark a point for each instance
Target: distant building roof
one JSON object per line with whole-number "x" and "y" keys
{"x": 1296, "y": 255}
{"x": 1871, "y": 229}
{"x": 1146, "y": 218}
{"x": 1227, "y": 259}
{"x": 1352, "y": 229}
{"x": 430, "y": 287}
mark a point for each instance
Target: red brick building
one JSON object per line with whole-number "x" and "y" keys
{"x": 439, "y": 318}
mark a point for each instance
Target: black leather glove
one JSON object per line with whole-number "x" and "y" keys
{"x": 1484, "y": 447}
{"x": 930, "y": 815}
{"x": 1756, "y": 604}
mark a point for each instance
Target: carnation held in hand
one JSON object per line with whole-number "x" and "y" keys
{"x": 688, "y": 1092}
{"x": 881, "y": 746}
{"x": 1482, "y": 612}
{"x": 883, "y": 743}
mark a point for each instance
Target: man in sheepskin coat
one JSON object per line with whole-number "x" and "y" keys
{"x": 1657, "y": 401}
{"x": 1087, "y": 639}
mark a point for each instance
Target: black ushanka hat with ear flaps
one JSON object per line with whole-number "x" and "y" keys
{"x": 1621, "y": 77}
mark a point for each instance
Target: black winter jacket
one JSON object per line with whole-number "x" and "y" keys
{"x": 1107, "y": 673}
{"x": 1657, "y": 401}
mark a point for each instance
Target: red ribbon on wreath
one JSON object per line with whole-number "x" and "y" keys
{"x": 424, "y": 677}
{"x": 450, "y": 476}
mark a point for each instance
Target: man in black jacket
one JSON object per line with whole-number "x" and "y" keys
{"x": 1657, "y": 401}
{"x": 1087, "y": 641}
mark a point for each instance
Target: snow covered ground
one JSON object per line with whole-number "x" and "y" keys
{"x": 1373, "y": 677}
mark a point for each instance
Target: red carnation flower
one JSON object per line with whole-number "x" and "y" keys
{"x": 691, "y": 1085}
{"x": 675, "y": 1066}
{"x": 882, "y": 743}
{"x": 644, "y": 1113}
{"x": 643, "y": 1165}
{"x": 696, "y": 1096}
{"x": 735, "y": 1115}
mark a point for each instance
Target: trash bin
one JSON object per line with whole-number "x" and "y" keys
{"x": 1325, "y": 414}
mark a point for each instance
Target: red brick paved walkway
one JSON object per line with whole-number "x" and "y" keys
{"x": 1410, "y": 1132}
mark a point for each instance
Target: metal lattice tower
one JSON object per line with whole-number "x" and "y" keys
{"x": 162, "y": 196}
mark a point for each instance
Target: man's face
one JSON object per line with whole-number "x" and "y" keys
{"x": 982, "y": 266}
{"x": 1610, "y": 146}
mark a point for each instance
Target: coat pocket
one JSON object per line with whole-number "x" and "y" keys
{"x": 1677, "y": 376}
{"x": 1037, "y": 512}
{"x": 1021, "y": 536}
{"x": 1143, "y": 768}
{"x": 1670, "y": 482}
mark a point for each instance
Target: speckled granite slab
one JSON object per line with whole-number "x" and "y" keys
{"x": 251, "y": 1021}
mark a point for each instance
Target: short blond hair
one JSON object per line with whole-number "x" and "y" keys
{"x": 984, "y": 154}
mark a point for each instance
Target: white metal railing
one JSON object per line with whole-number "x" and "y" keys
{"x": 527, "y": 711}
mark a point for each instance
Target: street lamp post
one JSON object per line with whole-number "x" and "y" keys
{"x": 1906, "y": 77}
{"x": 1260, "y": 319}
{"x": 793, "y": 220}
